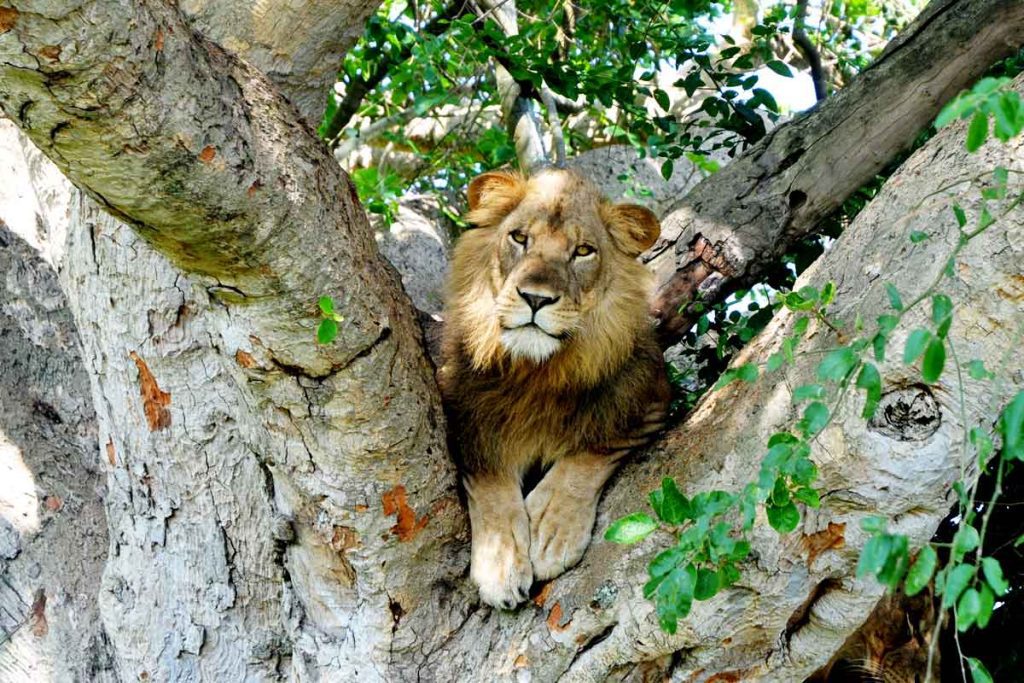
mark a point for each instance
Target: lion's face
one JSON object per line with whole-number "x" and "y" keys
{"x": 549, "y": 262}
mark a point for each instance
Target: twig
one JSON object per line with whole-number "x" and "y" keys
{"x": 555, "y": 124}
{"x": 808, "y": 50}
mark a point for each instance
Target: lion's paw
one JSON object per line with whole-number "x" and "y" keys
{"x": 501, "y": 568}
{"x": 560, "y": 528}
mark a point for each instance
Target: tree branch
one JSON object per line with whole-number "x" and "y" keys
{"x": 729, "y": 228}
{"x": 809, "y": 51}
{"x": 517, "y": 97}
{"x": 199, "y": 152}
{"x": 298, "y": 44}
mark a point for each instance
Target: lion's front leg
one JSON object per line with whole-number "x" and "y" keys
{"x": 500, "y": 561}
{"x": 562, "y": 508}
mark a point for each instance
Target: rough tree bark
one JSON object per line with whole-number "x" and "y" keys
{"x": 276, "y": 509}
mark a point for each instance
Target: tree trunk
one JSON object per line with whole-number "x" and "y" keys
{"x": 282, "y": 510}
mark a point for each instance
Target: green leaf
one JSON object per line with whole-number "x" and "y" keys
{"x": 961, "y": 217}
{"x": 967, "y": 609}
{"x": 783, "y": 518}
{"x": 326, "y": 331}
{"x": 808, "y": 391}
{"x": 942, "y": 314}
{"x": 871, "y": 382}
{"x": 958, "y": 580}
{"x": 674, "y": 597}
{"x": 808, "y": 497}
{"x": 828, "y": 293}
{"x": 747, "y": 372}
{"x": 916, "y": 236}
{"x": 977, "y": 132}
{"x": 665, "y": 561}
{"x": 661, "y": 97}
{"x": 779, "y": 67}
{"x": 987, "y": 602}
{"x": 976, "y": 370}
{"x": 666, "y": 169}
{"x": 874, "y": 555}
{"x": 631, "y": 528}
{"x": 1011, "y": 428}
{"x": 327, "y": 306}
{"x": 670, "y": 504}
{"x": 874, "y": 524}
{"x": 894, "y": 296}
{"x": 979, "y": 674}
{"x": 921, "y": 571}
{"x": 837, "y": 364}
{"x": 707, "y": 584}
{"x": 993, "y": 572}
{"x": 815, "y": 418}
{"x": 800, "y": 326}
{"x": 916, "y": 343}
{"x": 775, "y": 362}
{"x": 897, "y": 562}
{"x": 934, "y": 360}
{"x": 965, "y": 540}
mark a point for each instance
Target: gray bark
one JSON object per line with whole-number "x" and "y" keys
{"x": 269, "y": 495}
{"x": 280, "y": 510}
{"x": 53, "y": 534}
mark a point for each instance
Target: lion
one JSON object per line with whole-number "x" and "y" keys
{"x": 549, "y": 360}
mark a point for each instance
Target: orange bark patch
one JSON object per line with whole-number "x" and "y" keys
{"x": 207, "y": 155}
{"x": 51, "y": 52}
{"x": 154, "y": 401}
{"x": 8, "y": 18}
{"x": 244, "y": 359}
{"x": 111, "y": 455}
{"x": 254, "y": 188}
{"x": 39, "y": 626}
{"x": 542, "y": 596}
{"x": 158, "y": 41}
{"x": 554, "y": 620}
{"x": 826, "y": 539}
{"x": 53, "y": 503}
{"x": 521, "y": 662}
{"x": 360, "y": 508}
{"x": 396, "y": 502}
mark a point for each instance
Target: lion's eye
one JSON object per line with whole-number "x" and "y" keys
{"x": 584, "y": 250}
{"x": 517, "y": 237}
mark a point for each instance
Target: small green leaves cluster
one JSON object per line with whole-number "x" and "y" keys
{"x": 703, "y": 559}
{"x": 327, "y": 328}
{"x": 989, "y": 98}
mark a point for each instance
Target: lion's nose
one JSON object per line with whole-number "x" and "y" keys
{"x": 537, "y": 301}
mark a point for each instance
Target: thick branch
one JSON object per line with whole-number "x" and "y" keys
{"x": 298, "y": 44}
{"x": 754, "y": 209}
{"x": 201, "y": 154}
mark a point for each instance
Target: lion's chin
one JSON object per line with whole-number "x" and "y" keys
{"x": 530, "y": 342}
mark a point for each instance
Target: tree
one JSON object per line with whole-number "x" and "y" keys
{"x": 280, "y": 508}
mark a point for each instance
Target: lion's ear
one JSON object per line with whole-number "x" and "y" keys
{"x": 492, "y": 196}
{"x": 633, "y": 227}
